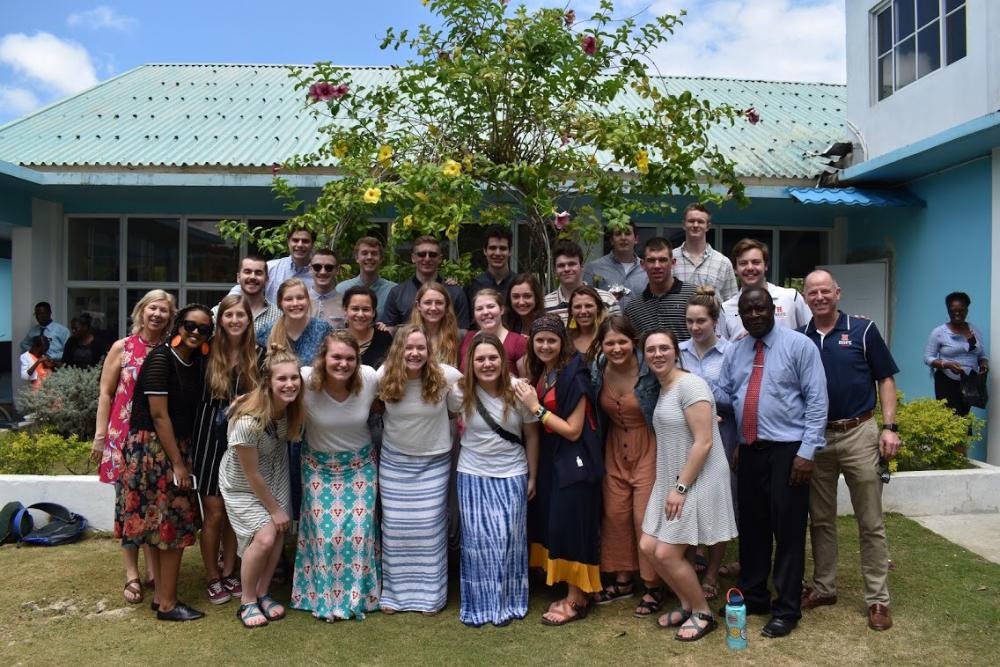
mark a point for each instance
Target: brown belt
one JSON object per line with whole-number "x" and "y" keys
{"x": 845, "y": 425}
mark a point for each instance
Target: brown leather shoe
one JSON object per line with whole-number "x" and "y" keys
{"x": 879, "y": 617}
{"x": 811, "y": 599}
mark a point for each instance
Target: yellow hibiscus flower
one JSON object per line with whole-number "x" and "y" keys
{"x": 451, "y": 169}
{"x": 340, "y": 150}
{"x": 642, "y": 162}
{"x": 385, "y": 154}
{"x": 372, "y": 195}
{"x": 422, "y": 196}
{"x": 408, "y": 221}
{"x": 452, "y": 232}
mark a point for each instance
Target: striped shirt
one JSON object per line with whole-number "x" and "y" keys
{"x": 714, "y": 270}
{"x": 666, "y": 311}
{"x": 557, "y": 304}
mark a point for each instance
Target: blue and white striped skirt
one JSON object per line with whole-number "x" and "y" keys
{"x": 494, "y": 513}
{"x": 414, "y": 491}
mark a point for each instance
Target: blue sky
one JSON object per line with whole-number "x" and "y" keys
{"x": 53, "y": 48}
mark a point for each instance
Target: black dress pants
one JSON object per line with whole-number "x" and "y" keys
{"x": 772, "y": 512}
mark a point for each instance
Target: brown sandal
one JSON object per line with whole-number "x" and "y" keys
{"x": 580, "y": 612}
{"x": 133, "y": 592}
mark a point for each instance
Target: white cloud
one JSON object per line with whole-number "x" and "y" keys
{"x": 101, "y": 16}
{"x": 781, "y": 40}
{"x": 64, "y": 66}
{"x": 17, "y": 101}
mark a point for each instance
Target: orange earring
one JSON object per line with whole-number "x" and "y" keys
{"x": 175, "y": 341}
{"x": 204, "y": 348}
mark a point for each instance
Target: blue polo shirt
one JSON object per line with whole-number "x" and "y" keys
{"x": 854, "y": 357}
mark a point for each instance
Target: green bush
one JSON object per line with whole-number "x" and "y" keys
{"x": 933, "y": 437}
{"x": 65, "y": 403}
{"x": 43, "y": 453}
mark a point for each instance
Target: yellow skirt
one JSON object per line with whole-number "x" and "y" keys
{"x": 585, "y": 577}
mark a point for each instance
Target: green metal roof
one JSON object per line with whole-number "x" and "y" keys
{"x": 220, "y": 117}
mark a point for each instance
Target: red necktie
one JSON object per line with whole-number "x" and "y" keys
{"x": 753, "y": 395}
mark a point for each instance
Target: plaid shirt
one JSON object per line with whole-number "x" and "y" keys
{"x": 714, "y": 270}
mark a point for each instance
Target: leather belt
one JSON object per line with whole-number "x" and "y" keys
{"x": 845, "y": 425}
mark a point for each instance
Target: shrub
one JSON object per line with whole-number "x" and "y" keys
{"x": 42, "y": 453}
{"x": 66, "y": 402}
{"x": 933, "y": 437}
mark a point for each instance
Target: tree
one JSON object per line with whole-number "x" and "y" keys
{"x": 504, "y": 115}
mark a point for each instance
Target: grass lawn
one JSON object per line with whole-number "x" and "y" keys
{"x": 63, "y": 606}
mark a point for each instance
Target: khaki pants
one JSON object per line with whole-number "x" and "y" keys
{"x": 855, "y": 454}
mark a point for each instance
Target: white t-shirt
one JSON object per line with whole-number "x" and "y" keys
{"x": 338, "y": 426}
{"x": 416, "y": 428}
{"x": 484, "y": 452}
{"x": 790, "y": 310}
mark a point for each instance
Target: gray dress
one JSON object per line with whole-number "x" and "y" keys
{"x": 246, "y": 512}
{"x": 707, "y": 515}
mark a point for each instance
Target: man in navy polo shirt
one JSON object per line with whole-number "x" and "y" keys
{"x": 856, "y": 360}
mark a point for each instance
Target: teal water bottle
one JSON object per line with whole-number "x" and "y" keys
{"x": 736, "y": 620}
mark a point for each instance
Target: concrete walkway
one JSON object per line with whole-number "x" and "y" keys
{"x": 979, "y": 533}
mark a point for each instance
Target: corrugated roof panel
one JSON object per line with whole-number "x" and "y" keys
{"x": 250, "y": 116}
{"x": 856, "y": 197}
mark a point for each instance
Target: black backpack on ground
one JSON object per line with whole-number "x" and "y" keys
{"x": 64, "y": 527}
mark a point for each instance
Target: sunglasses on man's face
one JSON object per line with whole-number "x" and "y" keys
{"x": 204, "y": 330}
{"x": 423, "y": 254}
{"x": 329, "y": 268}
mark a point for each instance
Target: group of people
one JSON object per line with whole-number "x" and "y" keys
{"x": 608, "y": 435}
{"x": 49, "y": 345}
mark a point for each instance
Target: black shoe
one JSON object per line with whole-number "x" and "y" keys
{"x": 180, "y": 612}
{"x": 778, "y": 627}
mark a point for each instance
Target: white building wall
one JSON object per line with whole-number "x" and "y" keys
{"x": 37, "y": 264}
{"x": 954, "y": 94}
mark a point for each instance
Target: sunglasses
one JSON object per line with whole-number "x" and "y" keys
{"x": 329, "y": 268}
{"x": 423, "y": 254}
{"x": 204, "y": 330}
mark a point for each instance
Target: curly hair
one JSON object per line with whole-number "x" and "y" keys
{"x": 318, "y": 378}
{"x": 446, "y": 342}
{"x": 259, "y": 403}
{"x": 219, "y": 371}
{"x": 393, "y": 385}
{"x": 468, "y": 382}
{"x": 183, "y": 312}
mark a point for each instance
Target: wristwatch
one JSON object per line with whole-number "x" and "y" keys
{"x": 681, "y": 488}
{"x": 891, "y": 427}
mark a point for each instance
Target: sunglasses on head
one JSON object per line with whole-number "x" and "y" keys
{"x": 329, "y": 268}
{"x": 423, "y": 254}
{"x": 204, "y": 330}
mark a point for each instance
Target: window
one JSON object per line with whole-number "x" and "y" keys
{"x": 112, "y": 261}
{"x": 913, "y": 38}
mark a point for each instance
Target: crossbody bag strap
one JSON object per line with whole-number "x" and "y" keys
{"x": 502, "y": 432}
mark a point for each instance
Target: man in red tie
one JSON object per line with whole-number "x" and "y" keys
{"x": 774, "y": 380}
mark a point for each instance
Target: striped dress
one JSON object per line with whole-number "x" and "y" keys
{"x": 246, "y": 512}
{"x": 414, "y": 470}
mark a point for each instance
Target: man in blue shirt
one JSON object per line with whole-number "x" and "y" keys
{"x": 774, "y": 380}
{"x": 294, "y": 265}
{"x": 620, "y": 271}
{"x": 56, "y": 333}
{"x": 368, "y": 254}
{"x": 427, "y": 258}
{"x": 856, "y": 359}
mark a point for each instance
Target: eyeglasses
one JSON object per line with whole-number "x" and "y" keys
{"x": 329, "y": 268}
{"x": 204, "y": 330}
{"x": 424, "y": 254}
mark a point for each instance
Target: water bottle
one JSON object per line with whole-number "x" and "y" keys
{"x": 736, "y": 620}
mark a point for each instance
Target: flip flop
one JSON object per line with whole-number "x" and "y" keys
{"x": 580, "y": 612}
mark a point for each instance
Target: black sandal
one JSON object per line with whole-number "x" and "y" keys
{"x": 615, "y": 591}
{"x": 650, "y": 607}
{"x": 683, "y": 615}
{"x": 702, "y": 630}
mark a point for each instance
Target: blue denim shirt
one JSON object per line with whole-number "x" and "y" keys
{"x": 647, "y": 387}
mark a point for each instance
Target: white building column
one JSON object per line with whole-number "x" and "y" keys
{"x": 993, "y": 409}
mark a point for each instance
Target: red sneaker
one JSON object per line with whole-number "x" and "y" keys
{"x": 233, "y": 585}
{"x": 217, "y": 593}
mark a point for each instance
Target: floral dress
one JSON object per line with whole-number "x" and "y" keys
{"x": 134, "y": 350}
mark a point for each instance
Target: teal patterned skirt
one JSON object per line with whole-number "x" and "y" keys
{"x": 337, "y": 559}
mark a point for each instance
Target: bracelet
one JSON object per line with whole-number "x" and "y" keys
{"x": 99, "y": 437}
{"x": 545, "y": 417}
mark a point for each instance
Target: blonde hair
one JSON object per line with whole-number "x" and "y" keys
{"x": 394, "y": 379}
{"x": 279, "y": 332}
{"x": 318, "y": 378}
{"x": 219, "y": 372}
{"x": 491, "y": 293}
{"x": 139, "y": 322}
{"x": 447, "y": 345}
{"x": 259, "y": 403}
{"x": 468, "y": 382}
